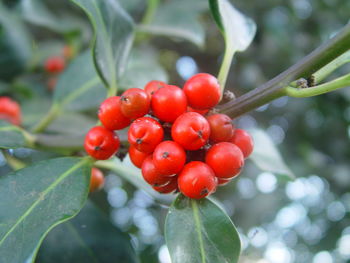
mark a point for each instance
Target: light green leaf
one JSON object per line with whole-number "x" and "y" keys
{"x": 11, "y": 136}
{"x": 114, "y": 32}
{"x": 200, "y": 231}
{"x": 35, "y": 199}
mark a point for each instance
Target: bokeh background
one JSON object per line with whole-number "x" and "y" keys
{"x": 280, "y": 221}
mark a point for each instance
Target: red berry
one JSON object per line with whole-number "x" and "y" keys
{"x": 168, "y": 188}
{"x": 244, "y": 141}
{"x": 153, "y": 86}
{"x": 191, "y": 130}
{"x": 151, "y": 174}
{"x": 224, "y": 181}
{"x": 145, "y": 134}
{"x": 10, "y": 110}
{"x": 168, "y": 103}
{"x": 169, "y": 157}
{"x": 221, "y": 128}
{"x": 226, "y": 159}
{"x": 197, "y": 180}
{"x": 101, "y": 143}
{"x": 202, "y": 91}
{"x": 55, "y": 64}
{"x": 111, "y": 116}
{"x": 136, "y": 156}
{"x": 97, "y": 179}
{"x": 202, "y": 112}
{"x": 135, "y": 103}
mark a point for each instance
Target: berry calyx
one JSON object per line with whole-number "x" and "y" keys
{"x": 101, "y": 143}
{"x": 153, "y": 86}
{"x": 197, "y": 180}
{"x": 202, "y": 91}
{"x": 226, "y": 159}
{"x": 136, "y": 156}
{"x": 164, "y": 98}
{"x": 55, "y": 64}
{"x": 111, "y": 116}
{"x": 151, "y": 174}
{"x": 134, "y": 103}
{"x": 170, "y": 187}
{"x": 221, "y": 128}
{"x": 191, "y": 130}
{"x": 97, "y": 180}
{"x": 244, "y": 141}
{"x": 145, "y": 134}
{"x": 10, "y": 110}
{"x": 169, "y": 157}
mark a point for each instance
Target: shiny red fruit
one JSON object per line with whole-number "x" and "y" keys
{"x": 191, "y": 130}
{"x": 226, "y": 159}
{"x": 97, "y": 179}
{"x": 55, "y": 64}
{"x": 224, "y": 181}
{"x": 153, "y": 86}
{"x": 101, "y": 143}
{"x": 221, "y": 128}
{"x": 111, "y": 116}
{"x": 10, "y": 111}
{"x": 169, "y": 157}
{"x": 168, "y": 103}
{"x": 135, "y": 103}
{"x": 136, "y": 156}
{"x": 151, "y": 174}
{"x": 244, "y": 141}
{"x": 202, "y": 91}
{"x": 197, "y": 180}
{"x": 145, "y": 134}
{"x": 169, "y": 187}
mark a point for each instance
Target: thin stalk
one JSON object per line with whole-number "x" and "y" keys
{"x": 46, "y": 121}
{"x": 152, "y": 6}
{"x": 225, "y": 67}
{"x": 13, "y": 162}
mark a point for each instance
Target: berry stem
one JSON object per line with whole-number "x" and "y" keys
{"x": 13, "y": 162}
{"x": 225, "y": 68}
{"x": 150, "y": 11}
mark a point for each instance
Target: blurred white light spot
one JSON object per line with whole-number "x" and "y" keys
{"x": 344, "y": 246}
{"x": 186, "y": 67}
{"x": 121, "y": 217}
{"x": 263, "y": 108}
{"x": 278, "y": 253}
{"x": 257, "y": 237}
{"x": 266, "y": 182}
{"x": 290, "y": 215}
{"x": 246, "y": 188}
{"x": 336, "y": 211}
{"x": 323, "y": 257}
{"x": 247, "y": 122}
{"x": 117, "y": 197}
{"x": 276, "y": 132}
{"x": 142, "y": 199}
{"x": 163, "y": 255}
{"x": 281, "y": 102}
{"x": 302, "y": 8}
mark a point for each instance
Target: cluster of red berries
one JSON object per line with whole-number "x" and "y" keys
{"x": 179, "y": 145}
{"x": 10, "y": 111}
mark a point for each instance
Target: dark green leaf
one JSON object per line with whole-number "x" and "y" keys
{"x": 200, "y": 231}
{"x": 114, "y": 31}
{"x": 35, "y": 199}
{"x": 79, "y": 87}
{"x": 11, "y": 136}
{"x": 88, "y": 237}
{"x": 237, "y": 29}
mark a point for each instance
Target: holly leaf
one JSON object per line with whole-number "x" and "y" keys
{"x": 200, "y": 231}
{"x": 37, "y": 198}
{"x": 11, "y": 136}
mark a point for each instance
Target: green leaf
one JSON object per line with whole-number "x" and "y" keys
{"x": 179, "y": 19}
{"x": 142, "y": 67}
{"x": 114, "y": 32}
{"x": 35, "y": 199}
{"x": 200, "y": 231}
{"x": 11, "y": 136}
{"x": 266, "y": 155}
{"x": 88, "y": 237}
{"x": 79, "y": 87}
{"x": 237, "y": 29}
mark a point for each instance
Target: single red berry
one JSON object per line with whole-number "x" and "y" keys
{"x": 55, "y": 64}
{"x": 101, "y": 143}
{"x": 197, "y": 180}
{"x": 169, "y": 187}
{"x": 111, "y": 116}
{"x": 169, "y": 157}
{"x": 136, "y": 156}
{"x": 97, "y": 179}
{"x": 151, "y": 174}
{"x": 224, "y": 181}
{"x": 201, "y": 112}
{"x": 153, "y": 86}
{"x": 221, "y": 128}
{"x": 135, "y": 103}
{"x": 191, "y": 130}
{"x": 202, "y": 91}
{"x": 145, "y": 134}
{"x": 10, "y": 111}
{"x": 168, "y": 103}
{"x": 226, "y": 159}
{"x": 244, "y": 141}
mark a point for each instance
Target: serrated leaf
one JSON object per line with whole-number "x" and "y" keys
{"x": 11, "y": 136}
{"x": 237, "y": 29}
{"x": 35, "y": 199}
{"x": 114, "y": 32}
{"x": 200, "y": 231}
{"x": 266, "y": 155}
{"x": 79, "y": 87}
{"x": 89, "y": 237}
